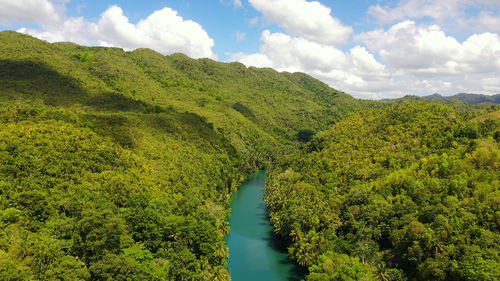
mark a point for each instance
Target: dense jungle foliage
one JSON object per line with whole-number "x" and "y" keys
{"x": 119, "y": 165}
{"x": 255, "y": 109}
{"x": 409, "y": 192}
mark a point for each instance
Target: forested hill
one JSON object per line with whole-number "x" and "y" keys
{"x": 255, "y": 109}
{"x": 119, "y": 165}
{"x": 409, "y": 192}
{"x": 464, "y": 98}
{"x": 468, "y": 98}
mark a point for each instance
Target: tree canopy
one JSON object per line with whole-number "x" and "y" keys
{"x": 408, "y": 192}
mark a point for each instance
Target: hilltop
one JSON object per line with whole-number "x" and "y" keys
{"x": 247, "y": 105}
{"x": 467, "y": 98}
{"x": 472, "y": 99}
{"x": 118, "y": 164}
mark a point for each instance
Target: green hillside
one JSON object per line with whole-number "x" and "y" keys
{"x": 119, "y": 165}
{"x": 409, "y": 192}
{"x": 249, "y": 106}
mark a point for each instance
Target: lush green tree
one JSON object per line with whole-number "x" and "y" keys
{"x": 121, "y": 164}
{"x": 408, "y": 190}
{"x": 66, "y": 269}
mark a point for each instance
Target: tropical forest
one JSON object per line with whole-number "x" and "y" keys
{"x": 123, "y": 164}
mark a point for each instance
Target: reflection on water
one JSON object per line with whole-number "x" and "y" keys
{"x": 255, "y": 253}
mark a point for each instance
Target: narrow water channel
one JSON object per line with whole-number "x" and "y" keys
{"x": 255, "y": 253}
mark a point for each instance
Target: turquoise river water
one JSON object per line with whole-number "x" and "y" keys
{"x": 255, "y": 253}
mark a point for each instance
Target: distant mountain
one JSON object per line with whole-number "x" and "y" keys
{"x": 468, "y": 98}
{"x": 458, "y": 101}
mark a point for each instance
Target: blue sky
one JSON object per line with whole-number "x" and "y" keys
{"x": 220, "y": 18}
{"x": 370, "y": 49}
{"x": 221, "y": 21}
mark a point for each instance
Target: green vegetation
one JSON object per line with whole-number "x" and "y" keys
{"x": 119, "y": 165}
{"x": 409, "y": 192}
{"x": 105, "y": 194}
{"x": 255, "y": 109}
{"x": 461, "y": 100}
{"x": 468, "y": 98}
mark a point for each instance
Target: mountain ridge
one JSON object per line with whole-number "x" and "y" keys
{"x": 464, "y": 97}
{"x": 117, "y": 163}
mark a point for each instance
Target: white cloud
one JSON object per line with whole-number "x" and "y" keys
{"x": 356, "y": 71}
{"x": 486, "y": 20}
{"x": 27, "y": 11}
{"x": 310, "y": 20}
{"x": 364, "y": 65}
{"x": 253, "y": 21}
{"x": 164, "y": 31}
{"x": 240, "y": 36}
{"x": 294, "y": 53}
{"x": 415, "y": 60}
{"x": 416, "y": 9}
{"x": 490, "y": 2}
{"x": 81, "y": 7}
{"x": 76, "y": 30}
{"x": 424, "y": 59}
{"x": 491, "y": 84}
{"x": 237, "y": 3}
{"x": 428, "y": 51}
{"x": 452, "y": 13}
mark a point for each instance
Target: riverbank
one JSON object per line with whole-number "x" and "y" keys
{"x": 255, "y": 253}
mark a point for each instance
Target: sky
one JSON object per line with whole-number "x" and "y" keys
{"x": 368, "y": 49}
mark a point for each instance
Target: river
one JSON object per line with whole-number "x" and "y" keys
{"x": 255, "y": 253}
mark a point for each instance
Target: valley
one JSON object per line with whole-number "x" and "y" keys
{"x": 121, "y": 165}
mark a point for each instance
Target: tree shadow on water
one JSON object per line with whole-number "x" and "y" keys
{"x": 275, "y": 242}
{"x": 296, "y": 272}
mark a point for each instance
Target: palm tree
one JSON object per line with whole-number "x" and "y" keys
{"x": 296, "y": 235}
{"x": 382, "y": 272}
{"x": 225, "y": 228}
{"x": 302, "y": 254}
{"x": 221, "y": 251}
{"x": 221, "y": 274}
